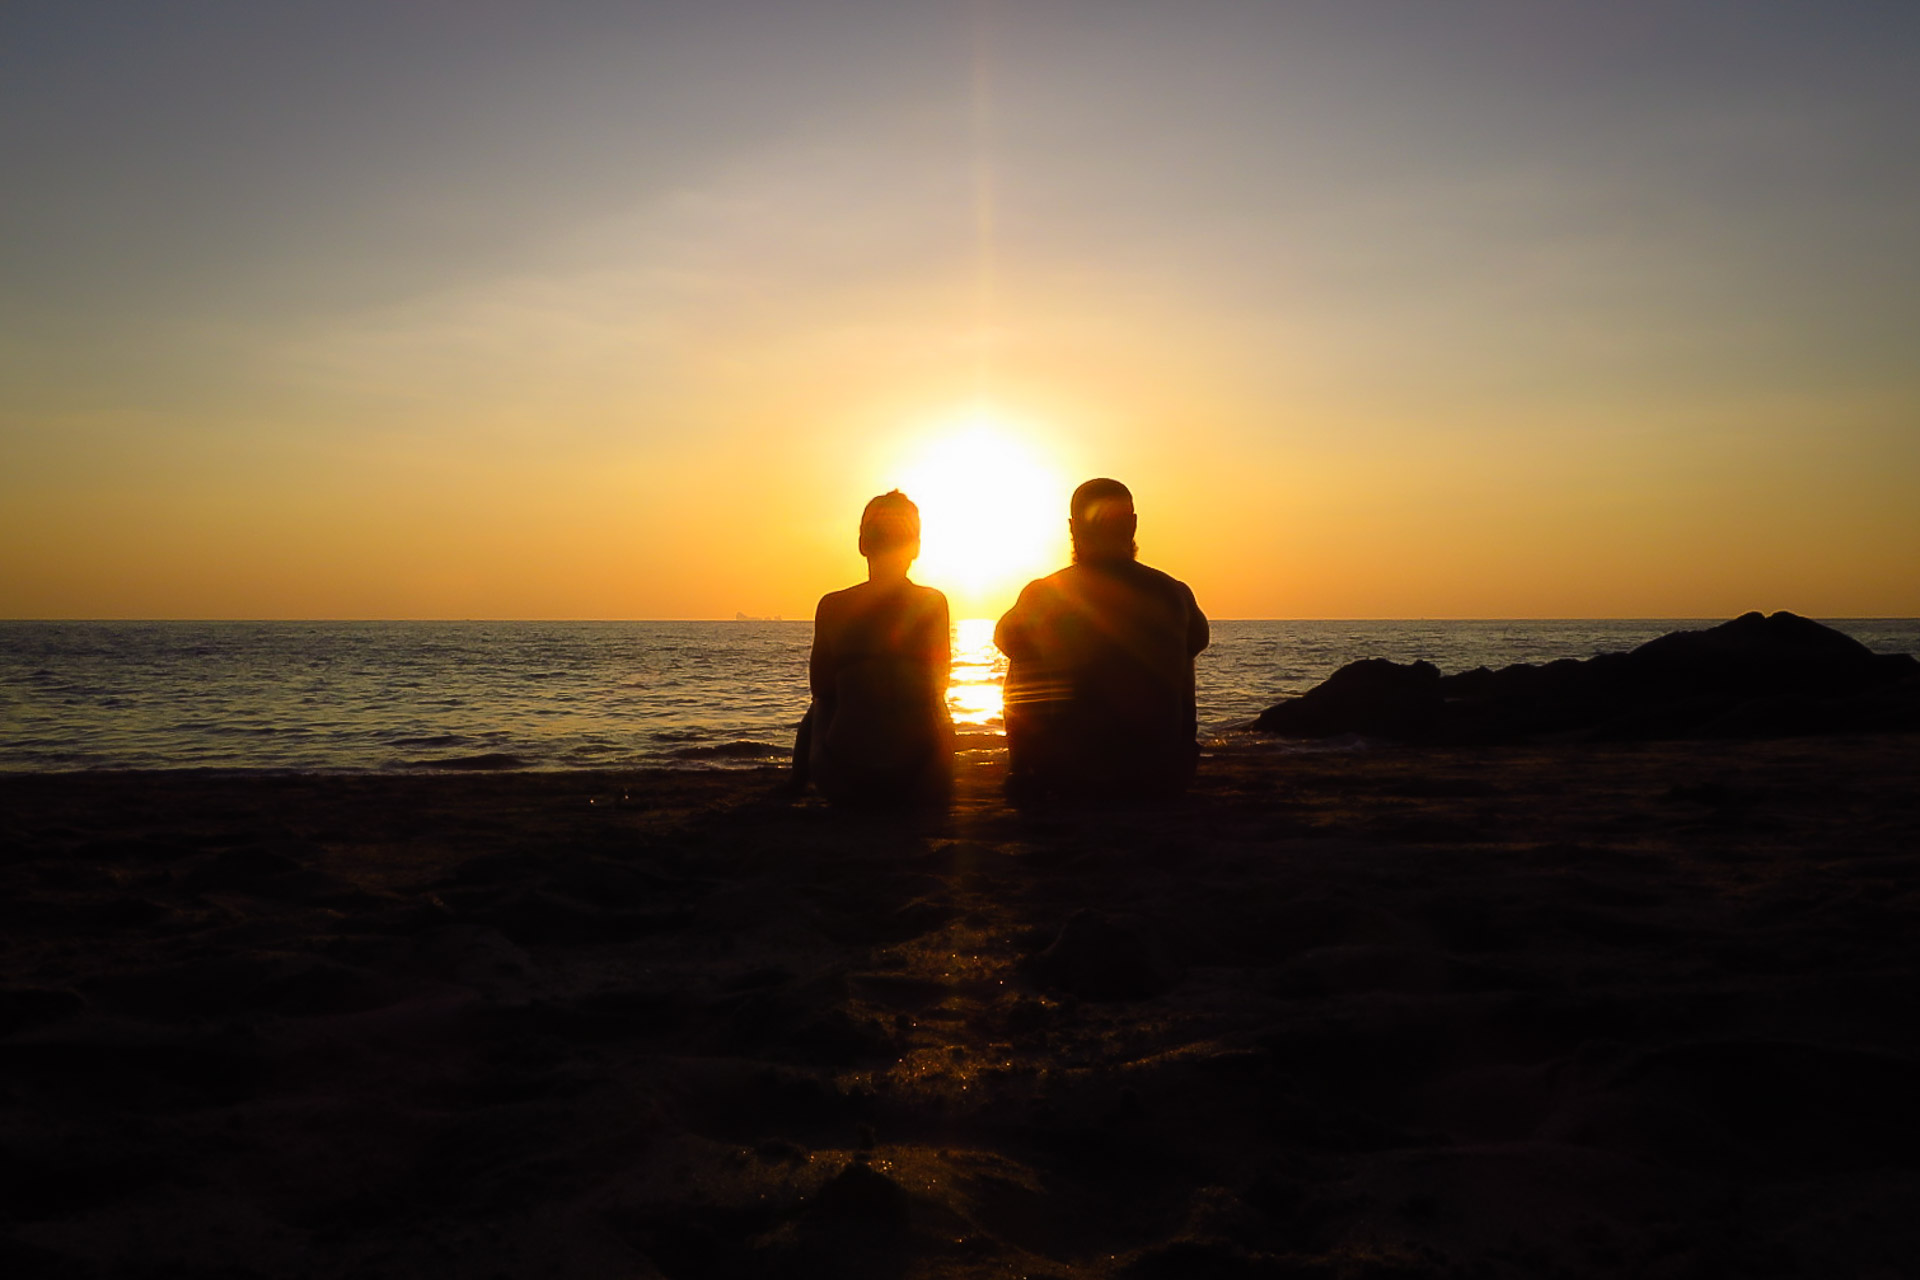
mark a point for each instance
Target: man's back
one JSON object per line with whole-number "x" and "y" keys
{"x": 1099, "y": 693}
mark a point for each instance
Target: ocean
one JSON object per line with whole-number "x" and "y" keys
{"x": 384, "y": 696}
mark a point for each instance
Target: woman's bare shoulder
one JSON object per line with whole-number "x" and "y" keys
{"x": 840, "y": 601}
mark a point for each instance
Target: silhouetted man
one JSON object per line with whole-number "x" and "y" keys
{"x": 1099, "y": 693}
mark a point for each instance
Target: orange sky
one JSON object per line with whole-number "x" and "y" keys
{"x": 1511, "y": 313}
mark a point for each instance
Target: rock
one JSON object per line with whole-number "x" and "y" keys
{"x": 1371, "y": 696}
{"x": 1756, "y": 676}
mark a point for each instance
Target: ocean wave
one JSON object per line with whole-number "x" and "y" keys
{"x": 493, "y": 760}
{"x": 431, "y": 740}
{"x": 732, "y": 751}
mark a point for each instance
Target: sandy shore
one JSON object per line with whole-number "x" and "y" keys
{"x": 1504, "y": 1012}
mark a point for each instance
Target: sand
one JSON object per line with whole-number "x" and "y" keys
{"x": 1530, "y": 1011}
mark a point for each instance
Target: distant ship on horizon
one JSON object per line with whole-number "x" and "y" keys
{"x": 756, "y": 617}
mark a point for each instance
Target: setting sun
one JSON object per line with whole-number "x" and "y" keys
{"x": 992, "y": 513}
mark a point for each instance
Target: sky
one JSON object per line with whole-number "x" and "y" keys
{"x": 496, "y": 310}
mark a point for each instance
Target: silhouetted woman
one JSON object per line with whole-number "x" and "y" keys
{"x": 878, "y": 731}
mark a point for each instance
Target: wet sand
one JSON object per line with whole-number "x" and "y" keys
{"x": 1582, "y": 1011}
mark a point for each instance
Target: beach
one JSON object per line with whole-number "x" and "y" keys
{"x": 1581, "y": 1010}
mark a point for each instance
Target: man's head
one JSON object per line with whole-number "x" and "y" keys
{"x": 1102, "y": 521}
{"x": 890, "y": 523}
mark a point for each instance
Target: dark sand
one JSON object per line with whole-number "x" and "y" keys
{"x": 1504, "y": 1012}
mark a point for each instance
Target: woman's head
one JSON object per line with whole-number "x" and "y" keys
{"x": 891, "y": 523}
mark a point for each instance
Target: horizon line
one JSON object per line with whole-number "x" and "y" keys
{"x": 1864, "y": 617}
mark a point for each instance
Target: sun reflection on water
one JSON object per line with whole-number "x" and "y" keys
{"x": 974, "y": 696}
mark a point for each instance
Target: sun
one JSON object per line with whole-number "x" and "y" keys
{"x": 993, "y": 513}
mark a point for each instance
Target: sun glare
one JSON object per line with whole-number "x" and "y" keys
{"x": 992, "y": 515}
{"x": 975, "y": 698}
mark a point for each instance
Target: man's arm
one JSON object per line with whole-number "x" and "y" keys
{"x": 1198, "y": 634}
{"x": 1010, "y": 633}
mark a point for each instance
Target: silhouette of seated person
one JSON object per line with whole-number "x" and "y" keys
{"x": 1099, "y": 689}
{"x": 878, "y": 732}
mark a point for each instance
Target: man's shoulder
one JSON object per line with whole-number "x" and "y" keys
{"x": 1158, "y": 575}
{"x": 1054, "y": 580}
{"x": 1041, "y": 589}
{"x": 1078, "y": 581}
{"x": 1152, "y": 579}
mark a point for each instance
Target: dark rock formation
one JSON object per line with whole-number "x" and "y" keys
{"x": 1755, "y": 676}
{"x": 1372, "y": 696}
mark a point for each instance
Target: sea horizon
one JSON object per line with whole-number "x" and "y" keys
{"x": 1598, "y": 617}
{"x": 380, "y": 695}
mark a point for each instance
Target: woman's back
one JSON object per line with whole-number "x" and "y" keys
{"x": 879, "y": 671}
